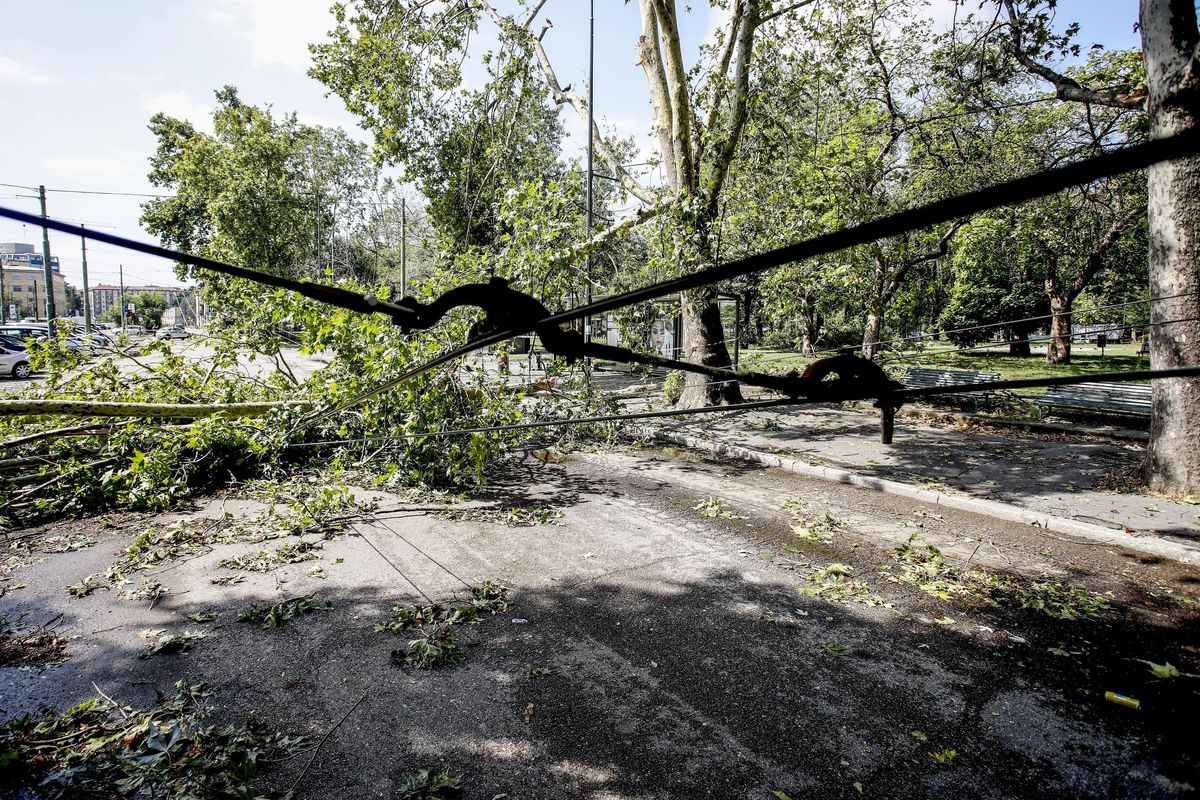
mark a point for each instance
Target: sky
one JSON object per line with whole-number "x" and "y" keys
{"x": 81, "y": 80}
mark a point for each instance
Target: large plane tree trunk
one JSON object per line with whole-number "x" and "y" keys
{"x": 1169, "y": 42}
{"x": 703, "y": 343}
{"x": 1058, "y": 349}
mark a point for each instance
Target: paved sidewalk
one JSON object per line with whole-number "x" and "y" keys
{"x": 1061, "y": 475}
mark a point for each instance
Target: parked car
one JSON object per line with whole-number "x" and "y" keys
{"x": 15, "y": 363}
{"x": 12, "y": 343}
{"x": 25, "y": 330}
{"x": 133, "y": 330}
{"x": 173, "y": 332}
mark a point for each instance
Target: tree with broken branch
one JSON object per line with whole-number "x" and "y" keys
{"x": 1025, "y": 35}
{"x": 397, "y": 64}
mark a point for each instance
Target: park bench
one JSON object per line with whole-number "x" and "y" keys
{"x": 922, "y": 377}
{"x": 1144, "y": 350}
{"x": 1108, "y": 398}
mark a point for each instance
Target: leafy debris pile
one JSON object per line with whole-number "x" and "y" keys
{"x": 811, "y": 528}
{"x": 834, "y": 583}
{"x": 523, "y": 516}
{"x": 274, "y": 615}
{"x": 38, "y": 647}
{"x": 437, "y": 644}
{"x": 269, "y": 558}
{"x": 171, "y": 643}
{"x": 98, "y": 749}
{"x": 923, "y": 565}
{"x": 297, "y": 508}
{"x": 427, "y": 784}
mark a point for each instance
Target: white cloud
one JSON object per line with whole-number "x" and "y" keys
{"x": 18, "y": 72}
{"x": 179, "y": 105}
{"x": 278, "y": 31}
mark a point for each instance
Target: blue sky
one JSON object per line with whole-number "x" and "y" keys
{"x": 82, "y": 78}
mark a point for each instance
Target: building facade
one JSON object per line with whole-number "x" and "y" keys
{"x": 106, "y": 296}
{"x": 25, "y": 291}
{"x": 26, "y": 254}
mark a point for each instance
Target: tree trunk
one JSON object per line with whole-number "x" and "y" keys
{"x": 875, "y": 309}
{"x": 810, "y": 327}
{"x": 1058, "y": 349}
{"x": 704, "y": 344}
{"x": 870, "y": 347}
{"x": 1169, "y": 39}
{"x": 1019, "y": 347}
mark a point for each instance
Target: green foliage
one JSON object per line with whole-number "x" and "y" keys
{"x": 427, "y": 784}
{"x": 437, "y": 647}
{"x": 96, "y": 749}
{"x": 715, "y": 508}
{"x": 148, "y": 308}
{"x": 151, "y": 465}
{"x": 488, "y": 597}
{"x": 271, "y": 558}
{"x": 921, "y": 564}
{"x": 256, "y": 191}
{"x": 171, "y": 643}
{"x": 437, "y": 644}
{"x": 275, "y": 614}
{"x": 672, "y": 388}
{"x": 835, "y": 584}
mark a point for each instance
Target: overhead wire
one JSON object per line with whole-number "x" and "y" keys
{"x": 1018, "y": 190}
{"x": 1124, "y": 160}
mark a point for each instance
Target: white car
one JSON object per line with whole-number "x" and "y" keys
{"x": 15, "y": 363}
{"x": 174, "y": 332}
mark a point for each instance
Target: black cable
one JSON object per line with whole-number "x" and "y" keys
{"x": 1128, "y": 159}
{"x": 330, "y": 295}
{"x": 1020, "y": 190}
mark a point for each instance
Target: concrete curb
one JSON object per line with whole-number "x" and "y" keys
{"x": 1176, "y": 551}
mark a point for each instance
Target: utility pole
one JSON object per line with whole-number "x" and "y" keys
{"x": 87, "y": 297}
{"x": 3, "y": 299}
{"x": 403, "y": 249}
{"x": 121, "y": 295}
{"x": 46, "y": 273}
{"x": 587, "y": 321}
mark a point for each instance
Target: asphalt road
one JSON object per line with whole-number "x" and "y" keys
{"x": 655, "y": 652}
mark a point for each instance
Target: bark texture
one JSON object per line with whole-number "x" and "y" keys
{"x": 1058, "y": 349}
{"x": 1169, "y": 42}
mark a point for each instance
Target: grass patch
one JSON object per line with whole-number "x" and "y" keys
{"x": 1085, "y": 360}
{"x": 97, "y": 749}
